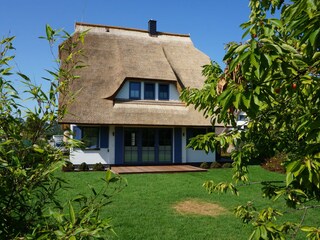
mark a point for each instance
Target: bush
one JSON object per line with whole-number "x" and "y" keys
{"x": 68, "y": 167}
{"x": 204, "y": 165}
{"x": 227, "y": 165}
{"x": 215, "y": 165}
{"x": 83, "y": 167}
{"x": 98, "y": 167}
{"x": 275, "y": 163}
{"x": 29, "y": 186}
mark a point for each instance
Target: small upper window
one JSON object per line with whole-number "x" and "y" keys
{"x": 135, "y": 90}
{"x": 163, "y": 92}
{"x": 149, "y": 91}
{"x": 90, "y": 137}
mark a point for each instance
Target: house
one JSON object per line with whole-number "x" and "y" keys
{"x": 128, "y": 110}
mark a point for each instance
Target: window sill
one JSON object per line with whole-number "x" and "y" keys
{"x": 89, "y": 149}
{"x": 150, "y": 102}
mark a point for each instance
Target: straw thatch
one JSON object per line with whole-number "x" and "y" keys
{"x": 114, "y": 55}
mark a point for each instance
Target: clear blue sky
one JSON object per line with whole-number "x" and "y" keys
{"x": 211, "y": 23}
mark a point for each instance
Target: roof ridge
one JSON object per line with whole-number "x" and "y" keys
{"x": 128, "y": 29}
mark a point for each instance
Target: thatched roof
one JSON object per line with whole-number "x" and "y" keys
{"x": 114, "y": 55}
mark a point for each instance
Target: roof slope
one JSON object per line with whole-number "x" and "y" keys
{"x": 114, "y": 55}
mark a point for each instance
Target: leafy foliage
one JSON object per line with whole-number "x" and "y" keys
{"x": 204, "y": 165}
{"x": 273, "y": 77}
{"x": 29, "y": 205}
{"x": 68, "y": 167}
{"x": 83, "y": 167}
{"x": 98, "y": 167}
{"x": 215, "y": 165}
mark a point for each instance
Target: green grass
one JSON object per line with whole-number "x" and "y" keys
{"x": 143, "y": 210}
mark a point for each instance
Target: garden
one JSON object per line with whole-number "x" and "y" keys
{"x": 176, "y": 206}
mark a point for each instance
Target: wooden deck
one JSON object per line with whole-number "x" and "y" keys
{"x": 156, "y": 169}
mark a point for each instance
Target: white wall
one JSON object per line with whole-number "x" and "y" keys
{"x": 124, "y": 91}
{"x": 107, "y": 155}
{"x": 78, "y": 156}
{"x": 199, "y": 156}
{"x": 103, "y": 155}
{"x": 174, "y": 94}
{"x": 190, "y": 155}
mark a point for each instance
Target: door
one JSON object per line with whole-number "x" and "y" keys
{"x": 147, "y": 145}
{"x": 131, "y": 145}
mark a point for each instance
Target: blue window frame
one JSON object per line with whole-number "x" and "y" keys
{"x": 149, "y": 91}
{"x": 163, "y": 91}
{"x": 135, "y": 90}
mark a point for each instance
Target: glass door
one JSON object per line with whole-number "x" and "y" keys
{"x": 131, "y": 145}
{"x": 148, "y": 144}
{"x": 165, "y": 145}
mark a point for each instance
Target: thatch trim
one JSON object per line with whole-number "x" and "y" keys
{"x": 106, "y": 27}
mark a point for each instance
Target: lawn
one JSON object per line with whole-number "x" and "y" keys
{"x": 145, "y": 208}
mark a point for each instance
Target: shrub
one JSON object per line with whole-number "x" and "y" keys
{"x": 215, "y": 165}
{"x": 204, "y": 165}
{"x": 275, "y": 163}
{"x": 83, "y": 167}
{"x": 98, "y": 167}
{"x": 68, "y": 167}
{"x": 227, "y": 165}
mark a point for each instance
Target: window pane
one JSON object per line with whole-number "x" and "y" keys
{"x": 149, "y": 91}
{"x": 90, "y": 137}
{"x": 134, "y": 90}
{"x": 163, "y": 92}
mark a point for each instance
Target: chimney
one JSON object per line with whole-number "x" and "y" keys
{"x": 152, "y": 27}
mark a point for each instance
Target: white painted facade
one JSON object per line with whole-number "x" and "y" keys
{"x": 107, "y": 155}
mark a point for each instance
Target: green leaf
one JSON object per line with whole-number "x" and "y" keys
{"x": 108, "y": 175}
{"x": 246, "y": 100}
{"x": 92, "y": 189}
{"x": 288, "y": 48}
{"x": 241, "y": 48}
{"x": 275, "y": 22}
{"x": 253, "y": 60}
{"x": 230, "y": 51}
{"x": 72, "y": 214}
{"x": 48, "y": 32}
{"x": 23, "y": 76}
{"x": 289, "y": 178}
{"x": 293, "y": 166}
{"x": 236, "y": 103}
{"x": 313, "y": 37}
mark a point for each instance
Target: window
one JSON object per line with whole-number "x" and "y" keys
{"x": 193, "y": 132}
{"x": 149, "y": 91}
{"x": 90, "y": 137}
{"x": 163, "y": 92}
{"x": 134, "y": 90}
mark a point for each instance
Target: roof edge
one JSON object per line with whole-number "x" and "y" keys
{"x": 128, "y": 29}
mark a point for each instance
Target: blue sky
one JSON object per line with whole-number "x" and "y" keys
{"x": 210, "y": 23}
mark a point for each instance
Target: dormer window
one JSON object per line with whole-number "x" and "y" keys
{"x": 135, "y": 90}
{"x": 163, "y": 91}
{"x": 149, "y": 91}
